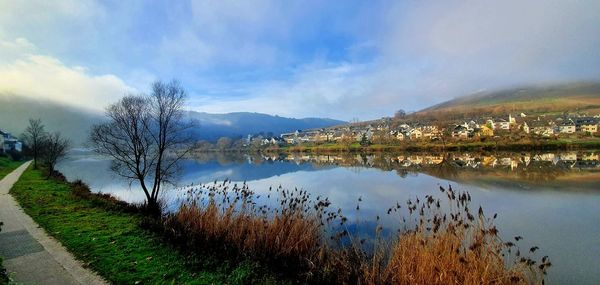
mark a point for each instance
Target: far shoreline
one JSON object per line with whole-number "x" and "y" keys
{"x": 333, "y": 148}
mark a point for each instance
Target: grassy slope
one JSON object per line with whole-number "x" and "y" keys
{"x": 111, "y": 241}
{"x": 531, "y": 100}
{"x": 7, "y": 166}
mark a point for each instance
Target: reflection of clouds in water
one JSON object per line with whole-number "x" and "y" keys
{"x": 204, "y": 176}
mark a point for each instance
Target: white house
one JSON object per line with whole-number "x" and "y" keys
{"x": 460, "y": 132}
{"x": 502, "y": 125}
{"x": 9, "y": 143}
{"x": 400, "y": 136}
{"x": 567, "y": 127}
{"x": 415, "y": 134}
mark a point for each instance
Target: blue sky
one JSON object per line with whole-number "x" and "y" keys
{"x": 340, "y": 59}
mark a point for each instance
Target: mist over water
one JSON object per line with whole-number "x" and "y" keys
{"x": 551, "y": 199}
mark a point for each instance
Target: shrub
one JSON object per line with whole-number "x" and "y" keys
{"x": 82, "y": 190}
{"x": 15, "y": 155}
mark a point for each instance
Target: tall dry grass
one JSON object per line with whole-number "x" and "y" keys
{"x": 440, "y": 241}
{"x": 455, "y": 246}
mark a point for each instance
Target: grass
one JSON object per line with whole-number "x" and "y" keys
{"x": 108, "y": 238}
{"x": 7, "y": 165}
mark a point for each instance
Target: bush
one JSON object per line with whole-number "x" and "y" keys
{"x": 15, "y": 155}
{"x": 106, "y": 201}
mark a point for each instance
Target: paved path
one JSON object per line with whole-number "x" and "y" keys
{"x": 30, "y": 255}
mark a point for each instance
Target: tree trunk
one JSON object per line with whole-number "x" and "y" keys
{"x": 153, "y": 208}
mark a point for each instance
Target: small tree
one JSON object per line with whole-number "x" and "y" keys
{"x": 224, "y": 143}
{"x": 146, "y": 137}
{"x": 400, "y": 114}
{"x": 364, "y": 141}
{"x": 55, "y": 148}
{"x": 34, "y": 136}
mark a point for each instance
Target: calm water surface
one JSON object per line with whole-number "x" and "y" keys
{"x": 551, "y": 199}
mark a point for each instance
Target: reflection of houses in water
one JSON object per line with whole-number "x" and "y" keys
{"x": 526, "y": 159}
{"x": 590, "y": 156}
{"x": 568, "y": 156}
{"x": 587, "y": 164}
{"x": 415, "y": 159}
{"x": 433, "y": 159}
{"x": 489, "y": 161}
{"x": 466, "y": 160}
{"x": 507, "y": 161}
{"x": 567, "y": 159}
{"x": 544, "y": 157}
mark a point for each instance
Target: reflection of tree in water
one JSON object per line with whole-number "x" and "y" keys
{"x": 542, "y": 171}
{"x": 402, "y": 172}
{"x": 447, "y": 169}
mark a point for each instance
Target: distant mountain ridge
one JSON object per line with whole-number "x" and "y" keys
{"x": 75, "y": 123}
{"x": 555, "y": 98}
{"x": 214, "y": 126}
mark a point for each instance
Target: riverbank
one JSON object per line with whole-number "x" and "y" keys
{"x": 559, "y": 144}
{"x": 106, "y": 235}
{"x": 7, "y": 165}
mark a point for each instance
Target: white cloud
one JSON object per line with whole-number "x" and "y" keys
{"x": 328, "y": 90}
{"x": 430, "y": 52}
{"x": 304, "y": 58}
{"x": 45, "y": 77}
{"x": 469, "y": 45}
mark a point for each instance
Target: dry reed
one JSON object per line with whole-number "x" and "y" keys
{"x": 440, "y": 242}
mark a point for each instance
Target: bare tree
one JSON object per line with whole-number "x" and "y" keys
{"x": 55, "y": 148}
{"x": 34, "y": 136}
{"x": 146, "y": 137}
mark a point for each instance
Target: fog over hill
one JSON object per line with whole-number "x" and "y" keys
{"x": 75, "y": 123}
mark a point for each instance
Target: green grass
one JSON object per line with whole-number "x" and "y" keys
{"x": 7, "y": 165}
{"x": 112, "y": 243}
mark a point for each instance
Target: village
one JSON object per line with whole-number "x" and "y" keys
{"x": 386, "y": 131}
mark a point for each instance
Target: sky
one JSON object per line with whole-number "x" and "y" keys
{"x": 345, "y": 59}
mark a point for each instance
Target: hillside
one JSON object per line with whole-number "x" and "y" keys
{"x": 75, "y": 123}
{"x": 72, "y": 122}
{"x": 573, "y": 97}
{"x": 213, "y": 126}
